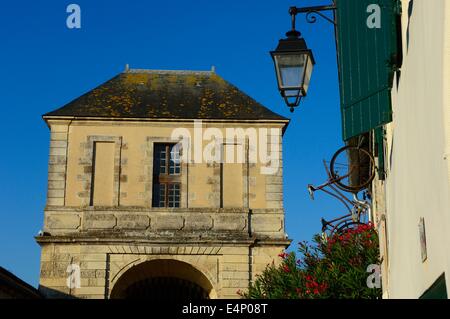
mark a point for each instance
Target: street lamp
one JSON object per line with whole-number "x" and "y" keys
{"x": 294, "y": 62}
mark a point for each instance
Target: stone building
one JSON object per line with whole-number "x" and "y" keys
{"x": 129, "y": 214}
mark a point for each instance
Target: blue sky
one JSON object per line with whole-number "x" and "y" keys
{"x": 45, "y": 65}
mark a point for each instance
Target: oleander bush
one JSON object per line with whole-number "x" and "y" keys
{"x": 333, "y": 268}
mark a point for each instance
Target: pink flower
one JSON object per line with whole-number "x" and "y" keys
{"x": 283, "y": 255}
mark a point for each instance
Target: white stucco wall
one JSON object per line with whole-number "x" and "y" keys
{"x": 418, "y": 139}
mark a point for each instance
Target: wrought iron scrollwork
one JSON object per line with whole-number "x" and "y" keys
{"x": 311, "y": 18}
{"x": 311, "y": 13}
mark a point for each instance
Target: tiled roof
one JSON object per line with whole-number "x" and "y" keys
{"x": 158, "y": 94}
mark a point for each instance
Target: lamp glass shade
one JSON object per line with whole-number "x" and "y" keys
{"x": 294, "y": 64}
{"x": 293, "y": 71}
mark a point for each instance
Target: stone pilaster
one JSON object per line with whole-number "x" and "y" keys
{"x": 59, "y": 132}
{"x": 274, "y": 182}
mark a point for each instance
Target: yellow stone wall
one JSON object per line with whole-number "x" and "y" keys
{"x": 115, "y": 228}
{"x": 227, "y": 267}
{"x": 417, "y": 144}
{"x": 134, "y": 144}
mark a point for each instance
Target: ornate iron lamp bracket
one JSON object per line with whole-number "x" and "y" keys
{"x": 311, "y": 13}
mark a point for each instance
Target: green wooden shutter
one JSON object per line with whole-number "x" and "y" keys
{"x": 438, "y": 290}
{"x": 366, "y": 61}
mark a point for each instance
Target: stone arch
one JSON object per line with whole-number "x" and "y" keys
{"x": 160, "y": 273}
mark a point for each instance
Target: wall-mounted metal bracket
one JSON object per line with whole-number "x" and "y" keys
{"x": 311, "y": 13}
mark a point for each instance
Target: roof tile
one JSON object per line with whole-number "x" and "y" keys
{"x": 167, "y": 94}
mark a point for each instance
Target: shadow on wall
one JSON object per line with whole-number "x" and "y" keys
{"x": 170, "y": 279}
{"x": 410, "y": 12}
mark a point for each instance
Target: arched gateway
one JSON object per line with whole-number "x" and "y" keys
{"x": 163, "y": 279}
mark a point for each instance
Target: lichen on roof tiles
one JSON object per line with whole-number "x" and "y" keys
{"x": 166, "y": 94}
